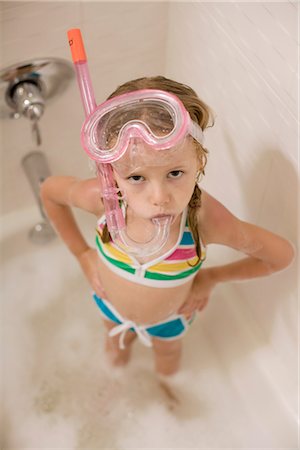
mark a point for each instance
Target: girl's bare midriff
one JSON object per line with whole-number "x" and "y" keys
{"x": 139, "y": 303}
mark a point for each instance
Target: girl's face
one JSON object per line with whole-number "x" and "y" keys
{"x": 159, "y": 184}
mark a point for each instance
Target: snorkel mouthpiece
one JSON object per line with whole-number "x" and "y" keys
{"x": 160, "y": 237}
{"x": 111, "y": 200}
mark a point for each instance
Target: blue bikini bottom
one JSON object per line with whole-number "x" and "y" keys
{"x": 172, "y": 328}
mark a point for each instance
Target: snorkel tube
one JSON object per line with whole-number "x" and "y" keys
{"x": 114, "y": 216}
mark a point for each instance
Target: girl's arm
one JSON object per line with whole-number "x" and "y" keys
{"x": 58, "y": 195}
{"x": 266, "y": 252}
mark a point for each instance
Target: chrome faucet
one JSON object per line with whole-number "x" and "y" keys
{"x": 27, "y": 99}
{"x": 25, "y": 88}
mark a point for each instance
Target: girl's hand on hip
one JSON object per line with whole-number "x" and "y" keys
{"x": 88, "y": 262}
{"x": 200, "y": 293}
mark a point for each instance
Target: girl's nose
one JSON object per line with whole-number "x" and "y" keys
{"x": 159, "y": 195}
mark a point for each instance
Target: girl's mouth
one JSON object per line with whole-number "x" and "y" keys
{"x": 161, "y": 215}
{"x": 171, "y": 217}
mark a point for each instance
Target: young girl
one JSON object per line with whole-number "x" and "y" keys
{"x": 155, "y": 297}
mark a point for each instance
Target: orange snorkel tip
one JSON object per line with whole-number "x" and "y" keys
{"x": 76, "y": 45}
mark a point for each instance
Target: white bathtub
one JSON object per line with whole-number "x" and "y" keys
{"x": 237, "y": 389}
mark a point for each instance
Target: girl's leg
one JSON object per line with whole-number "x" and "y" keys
{"x": 167, "y": 355}
{"x": 117, "y": 356}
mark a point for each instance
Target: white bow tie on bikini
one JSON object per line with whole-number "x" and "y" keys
{"x": 124, "y": 327}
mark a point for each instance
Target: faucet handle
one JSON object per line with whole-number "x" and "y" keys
{"x": 36, "y": 134}
{"x": 28, "y": 100}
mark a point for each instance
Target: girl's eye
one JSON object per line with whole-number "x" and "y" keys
{"x": 175, "y": 174}
{"x": 135, "y": 179}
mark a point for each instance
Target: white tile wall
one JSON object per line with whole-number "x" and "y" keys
{"x": 247, "y": 73}
{"x": 241, "y": 58}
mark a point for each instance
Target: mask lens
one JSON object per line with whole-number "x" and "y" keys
{"x": 157, "y": 118}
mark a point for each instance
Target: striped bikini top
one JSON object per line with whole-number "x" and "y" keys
{"x": 175, "y": 267}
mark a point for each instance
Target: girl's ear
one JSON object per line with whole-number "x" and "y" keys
{"x": 199, "y": 176}
{"x": 200, "y": 172}
{"x": 201, "y": 154}
{"x": 203, "y": 161}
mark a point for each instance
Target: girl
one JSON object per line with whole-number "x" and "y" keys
{"x": 155, "y": 297}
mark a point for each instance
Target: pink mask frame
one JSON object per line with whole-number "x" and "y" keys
{"x": 137, "y": 128}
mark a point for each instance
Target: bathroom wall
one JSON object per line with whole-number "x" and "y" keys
{"x": 241, "y": 58}
{"x": 123, "y": 40}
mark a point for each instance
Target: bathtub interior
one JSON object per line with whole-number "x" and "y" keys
{"x": 60, "y": 392}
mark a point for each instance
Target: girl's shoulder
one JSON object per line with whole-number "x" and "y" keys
{"x": 216, "y": 223}
{"x": 86, "y": 195}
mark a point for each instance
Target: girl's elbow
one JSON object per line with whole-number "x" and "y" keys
{"x": 290, "y": 253}
{"x": 287, "y": 256}
{"x": 53, "y": 188}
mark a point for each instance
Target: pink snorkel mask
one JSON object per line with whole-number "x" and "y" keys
{"x": 155, "y": 117}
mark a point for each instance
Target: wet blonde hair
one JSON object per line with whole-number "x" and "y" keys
{"x": 199, "y": 113}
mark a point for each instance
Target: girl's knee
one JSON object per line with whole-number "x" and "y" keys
{"x": 167, "y": 356}
{"x": 165, "y": 348}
